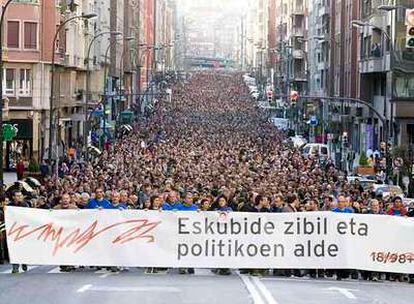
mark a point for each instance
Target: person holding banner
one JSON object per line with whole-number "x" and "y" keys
{"x": 99, "y": 201}
{"x": 116, "y": 201}
{"x": 172, "y": 203}
{"x": 3, "y": 244}
{"x": 65, "y": 203}
{"x": 18, "y": 201}
{"x": 397, "y": 208}
{"x": 342, "y": 205}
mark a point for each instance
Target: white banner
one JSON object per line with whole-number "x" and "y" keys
{"x": 210, "y": 239}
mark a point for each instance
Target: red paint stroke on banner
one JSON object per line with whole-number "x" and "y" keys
{"x": 79, "y": 239}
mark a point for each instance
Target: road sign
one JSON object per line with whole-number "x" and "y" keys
{"x": 9, "y": 131}
{"x": 313, "y": 121}
{"x": 294, "y": 96}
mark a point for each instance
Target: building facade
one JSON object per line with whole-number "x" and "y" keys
{"x": 119, "y": 48}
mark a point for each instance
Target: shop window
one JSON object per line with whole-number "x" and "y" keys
{"x": 25, "y": 84}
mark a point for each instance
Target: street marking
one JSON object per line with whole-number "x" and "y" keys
{"x": 55, "y": 270}
{"x": 84, "y": 288}
{"x": 330, "y": 281}
{"x": 203, "y": 272}
{"x": 105, "y": 275}
{"x": 265, "y": 292}
{"x": 29, "y": 268}
{"x": 344, "y": 291}
{"x": 6, "y": 271}
{"x": 90, "y": 287}
{"x": 251, "y": 288}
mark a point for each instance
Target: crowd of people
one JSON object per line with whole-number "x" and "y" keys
{"x": 210, "y": 148}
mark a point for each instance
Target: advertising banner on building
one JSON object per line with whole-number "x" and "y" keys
{"x": 133, "y": 238}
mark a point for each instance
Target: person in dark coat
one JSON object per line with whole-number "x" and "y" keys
{"x": 18, "y": 201}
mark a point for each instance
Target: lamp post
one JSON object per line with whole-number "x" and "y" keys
{"x": 3, "y": 11}
{"x": 386, "y": 124}
{"x": 389, "y": 8}
{"x": 52, "y": 82}
{"x": 139, "y": 66}
{"x": 106, "y": 92}
{"x": 88, "y": 87}
{"x": 121, "y": 72}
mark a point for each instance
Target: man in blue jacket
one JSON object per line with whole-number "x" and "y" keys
{"x": 342, "y": 206}
{"x": 172, "y": 203}
{"x": 188, "y": 203}
{"x": 99, "y": 201}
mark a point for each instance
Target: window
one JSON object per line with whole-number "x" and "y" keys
{"x": 9, "y": 78}
{"x": 30, "y": 35}
{"x": 25, "y": 84}
{"x": 13, "y": 28}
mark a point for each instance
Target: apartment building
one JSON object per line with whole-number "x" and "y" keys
{"x": 28, "y": 31}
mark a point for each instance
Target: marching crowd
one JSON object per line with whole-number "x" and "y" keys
{"x": 208, "y": 149}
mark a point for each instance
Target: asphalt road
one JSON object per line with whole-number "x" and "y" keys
{"x": 46, "y": 284}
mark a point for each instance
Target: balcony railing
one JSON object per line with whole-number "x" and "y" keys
{"x": 298, "y": 31}
{"x": 298, "y": 10}
{"x": 300, "y": 76}
{"x": 27, "y": 1}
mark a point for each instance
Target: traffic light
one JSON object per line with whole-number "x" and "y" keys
{"x": 269, "y": 95}
{"x": 345, "y": 139}
{"x": 294, "y": 96}
{"x": 409, "y": 22}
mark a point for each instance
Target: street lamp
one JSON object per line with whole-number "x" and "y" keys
{"x": 388, "y": 8}
{"x": 121, "y": 71}
{"x": 3, "y": 11}
{"x": 387, "y": 124}
{"x": 106, "y": 92}
{"x": 139, "y": 67}
{"x": 52, "y": 82}
{"x": 88, "y": 86}
{"x": 360, "y": 23}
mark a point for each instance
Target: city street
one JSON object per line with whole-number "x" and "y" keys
{"x": 134, "y": 286}
{"x": 237, "y": 151}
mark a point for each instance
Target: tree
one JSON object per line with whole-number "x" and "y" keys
{"x": 363, "y": 159}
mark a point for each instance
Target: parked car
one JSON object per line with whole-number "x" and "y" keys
{"x": 317, "y": 149}
{"x": 298, "y": 141}
{"x": 280, "y": 123}
{"x": 364, "y": 181}
{"x": 387, "y": 190}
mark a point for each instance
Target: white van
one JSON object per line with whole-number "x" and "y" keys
{"x": 317, "y": 149}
